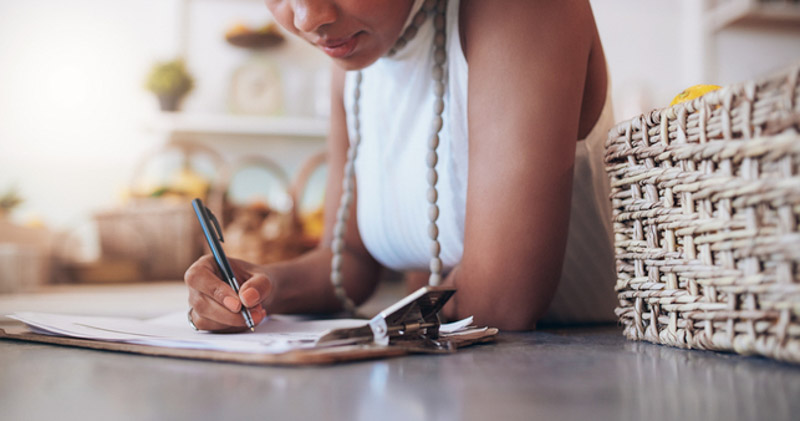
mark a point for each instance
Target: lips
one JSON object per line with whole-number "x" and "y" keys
{"x": 340, "y": 47}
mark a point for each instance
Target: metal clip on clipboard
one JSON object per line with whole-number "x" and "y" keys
{"x": 412, "y": 322}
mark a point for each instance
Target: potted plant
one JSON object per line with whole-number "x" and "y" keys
{"x": 9, "y": 200}
{"x": 170, "y": 81}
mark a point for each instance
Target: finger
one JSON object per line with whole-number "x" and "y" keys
{"x": 241, "y": 269}
{"x": 258, "y": 314}
{"x": 209, "y": 309}
{"x": 205, "y": 324}
{"x": 255, "y": 290}
{"x": 207, "y": 260}
{"x": 202, "y": 276}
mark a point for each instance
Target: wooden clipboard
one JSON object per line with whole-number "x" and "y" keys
{"x": 409, "y": 327}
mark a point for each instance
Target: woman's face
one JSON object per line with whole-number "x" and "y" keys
{"x": 355, "y": 33}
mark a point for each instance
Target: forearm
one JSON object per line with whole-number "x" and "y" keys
{"x": 303, "y": 285}
{"x": 450, "y": 310}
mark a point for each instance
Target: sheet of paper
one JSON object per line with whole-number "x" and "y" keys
{"x": 455, "y": 326}
{"x": 275, "y": 335}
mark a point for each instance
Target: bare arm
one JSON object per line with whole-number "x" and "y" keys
{"x": 300, "y": 285}
{"x": 522, "y": 132}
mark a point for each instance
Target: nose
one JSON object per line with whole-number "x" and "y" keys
{"x": 310, "y": 15}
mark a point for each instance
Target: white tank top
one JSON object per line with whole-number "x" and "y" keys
{"x": 396, "y": 111}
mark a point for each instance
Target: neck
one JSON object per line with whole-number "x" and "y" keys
{"x": 416, "y": 18}
{"x": 415, "y": 7}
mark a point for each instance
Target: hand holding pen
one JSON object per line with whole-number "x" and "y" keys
{"x": 218, "y": 306}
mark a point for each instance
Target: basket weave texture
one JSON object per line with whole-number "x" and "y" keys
{"x": 706, "y": 206}
{"x": 163, "y": 237}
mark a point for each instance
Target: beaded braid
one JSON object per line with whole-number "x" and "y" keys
{"x": 348, "y": 181}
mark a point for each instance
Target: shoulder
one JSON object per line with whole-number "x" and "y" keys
{"x": 547, "y": 26}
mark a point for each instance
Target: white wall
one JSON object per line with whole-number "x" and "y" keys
{"x": 655, "y": 49}
{"x": 642, "y": 49}
{"x": 71, "y": 98}
{"x": 747, "y": 51}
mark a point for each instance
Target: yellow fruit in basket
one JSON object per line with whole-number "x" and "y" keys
{"x": 693, "y": 92}
{"x": 189, "y": 183}
{"x": 237, "y": 29}
{"x": 34, "y": 222}
{"x": 314, "y": 223}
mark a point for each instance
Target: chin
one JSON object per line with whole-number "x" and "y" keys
{"x": 357, "y": 61}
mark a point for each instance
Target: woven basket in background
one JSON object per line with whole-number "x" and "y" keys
{"x": 259, "y": 232}
{"x": 706, "y": 204}
{"x": 160, "y": 235}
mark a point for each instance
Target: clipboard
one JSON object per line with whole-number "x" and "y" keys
{"x": 410, "y": 326}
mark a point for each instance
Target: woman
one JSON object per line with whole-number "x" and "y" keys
{"x": 483, "y": 199}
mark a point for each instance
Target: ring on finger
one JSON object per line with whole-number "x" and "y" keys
{"x": 189, "y": 318}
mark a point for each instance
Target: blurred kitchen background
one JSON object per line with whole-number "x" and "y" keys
{"x": 114, "y": 114}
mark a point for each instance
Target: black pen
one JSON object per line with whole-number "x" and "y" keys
{"x": 213, "y": 234}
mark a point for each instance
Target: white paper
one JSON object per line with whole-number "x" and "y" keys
{"x": 277, "y": 334}
{"x": 455, "y": 326}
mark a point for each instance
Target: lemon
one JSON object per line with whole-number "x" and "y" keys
{"x": 190, "y": 183}
{"x": 313, "y": 223}
{"x": 34, "y": 222}
{"x": 693, "y": 92}
{"x": 237, "y": 29}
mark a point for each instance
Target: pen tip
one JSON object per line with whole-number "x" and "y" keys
{"x": 252, "y": 329}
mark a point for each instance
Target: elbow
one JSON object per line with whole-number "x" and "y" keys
{"x": 505, "y": 309}
{"x": 508, "y": 318}
{"x": 517, "y": 323}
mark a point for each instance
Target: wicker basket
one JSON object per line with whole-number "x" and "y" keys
{"x": 160, "y": 234}
{"x": 259, "y": 232}
{"x": 706, "y": 203}
{"x": 164, "y": 237}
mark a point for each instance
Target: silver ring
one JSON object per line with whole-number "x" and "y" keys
{"x": 189, "y": 318}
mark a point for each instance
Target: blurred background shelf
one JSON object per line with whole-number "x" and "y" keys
{"x": 239, "y": 125}
{"x": 726, "y": 13}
